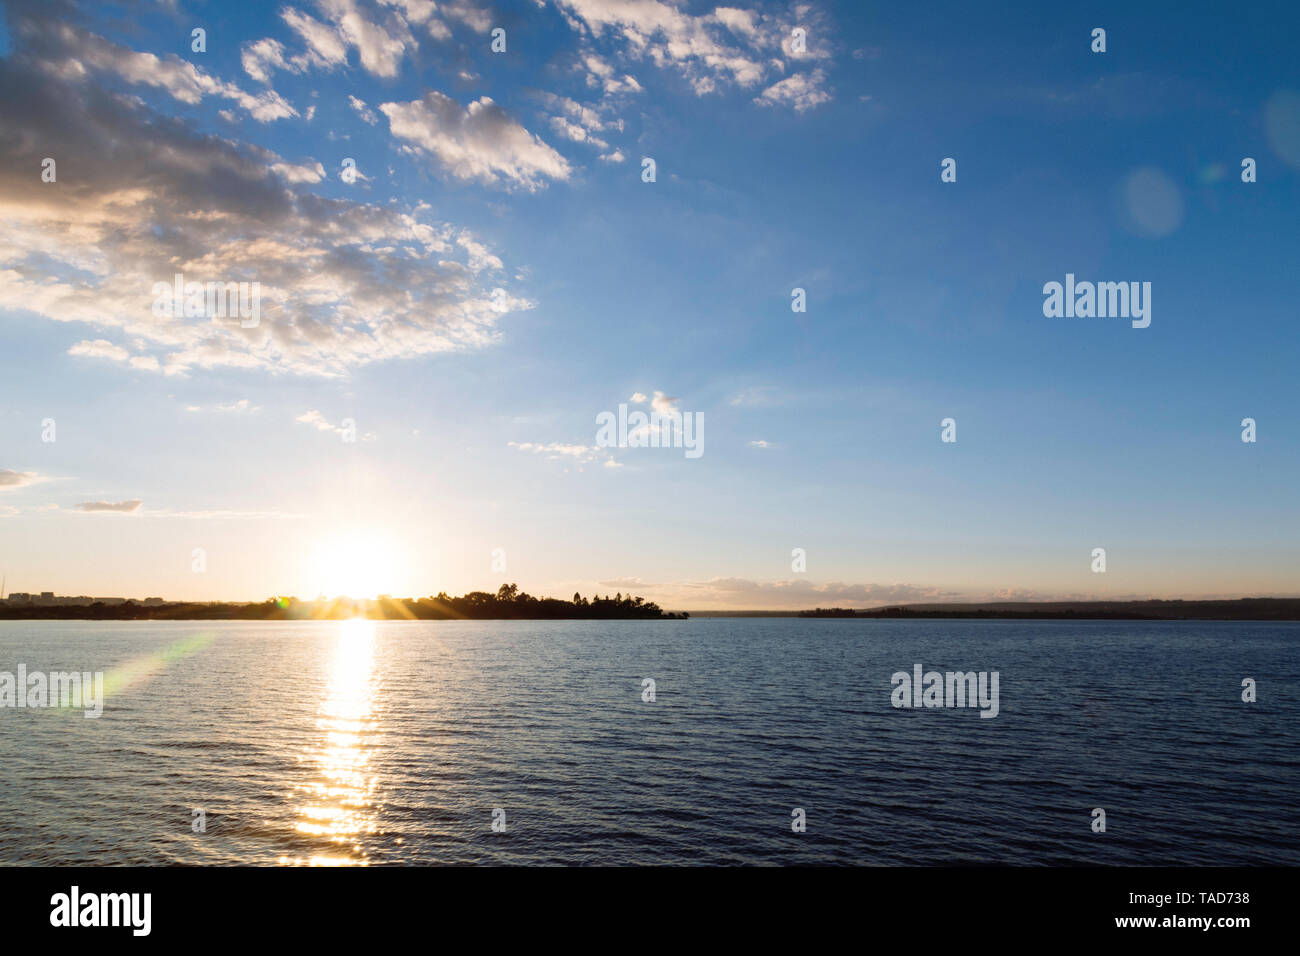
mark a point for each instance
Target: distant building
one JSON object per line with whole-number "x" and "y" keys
{"x": 50, "y": 599}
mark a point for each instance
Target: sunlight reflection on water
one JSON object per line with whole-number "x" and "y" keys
{"x": 340, "y": 806}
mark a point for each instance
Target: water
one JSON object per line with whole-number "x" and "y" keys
{"x": 392, "y": 743}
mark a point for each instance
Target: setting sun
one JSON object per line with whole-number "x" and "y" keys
{"x": 358, "y": 564}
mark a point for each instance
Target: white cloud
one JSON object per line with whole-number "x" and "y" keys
{"x": 100, "y": 348}
{"x": 602, "y": 75}
{"x": 579, "y": 454}
{"x": 584, "y": 123}
{"x": 342, "y": 283}
{"x": 260, "y": 58}
{"x": 742, "y": 593}
{"x": 801, "y": 91}
{"x": 326, "y": 48}
{"x": 480, "y": 256}
{"x": 10, "y": 480}
{"x": 478, "y": 142}
{"x": 243, "y": 405}
{"x": 380, "y": 33}
{"x": 299, "y": 173}
{"x": 588, "y": 118}
{"x": 115, "y": 507}
{"x": 577, "y": 133}
{"x": 468, "y": 12}
{"x": 743, "y": 23}
{"x": 664, "y": 404}
{"x": 70, "y": 54}
{"x": 365, "y": 112}
{"x": 380, "y": 45}
{"x": 317, "y": 421}
{"x": 661, "y": 405}
{"x": 558, "y": 449}
{"x": 728, "y": 47}
{"x": 799, "y": 594}
{"x": 103, "y": 349}
{"x": 380, "y": 37}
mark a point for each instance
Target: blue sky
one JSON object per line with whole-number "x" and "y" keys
{"x": 775, "y": 169}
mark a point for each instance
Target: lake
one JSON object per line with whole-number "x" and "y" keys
{"x": 403, "y": 742}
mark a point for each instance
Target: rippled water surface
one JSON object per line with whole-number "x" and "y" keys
{"x": 389, "y": 743}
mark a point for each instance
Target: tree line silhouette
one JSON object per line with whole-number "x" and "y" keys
{"x": 508, "y": 603}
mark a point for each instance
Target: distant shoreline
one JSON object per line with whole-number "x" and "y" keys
{"x": 483, "y": 606}
{"x": 1240, "y": 609}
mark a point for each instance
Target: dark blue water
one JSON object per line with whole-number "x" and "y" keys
{"x": 394, "y": 743}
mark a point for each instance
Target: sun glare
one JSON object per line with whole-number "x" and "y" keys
{"x": 358, "y": 564}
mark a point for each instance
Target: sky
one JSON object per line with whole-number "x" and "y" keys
{"x": 463, "y": 259}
